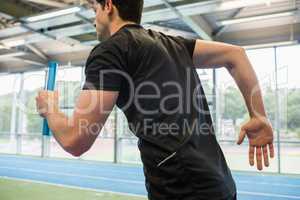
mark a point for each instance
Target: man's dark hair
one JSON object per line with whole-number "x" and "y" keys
{"x": 129, "y": 10}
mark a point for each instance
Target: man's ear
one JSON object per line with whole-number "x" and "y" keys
{"x": 109, "y": 5}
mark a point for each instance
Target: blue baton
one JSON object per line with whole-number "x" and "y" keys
{"x": 51, "y": 75}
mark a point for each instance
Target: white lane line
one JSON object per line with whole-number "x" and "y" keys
{"x": 96, "y": 190}
{"x": 268, "y": 195}
{"x": 272, "y": 184}
{"x": 130, "y": 173}
{"x": 74, "y": 175}
{"x": 72, "y": 187}
{"x": 71, "y": 166}
{"x": 4, "y": 158}
{"x": 139, "y": 182}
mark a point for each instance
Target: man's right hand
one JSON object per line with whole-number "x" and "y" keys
{"x": 260, "y": 135}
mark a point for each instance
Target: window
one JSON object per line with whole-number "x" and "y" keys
{"x": 8, "y": 94}
{"x": 68, "y": 84}
{"x": 233, "y": 112}
{"x": 33, "y": 82}
{"x": 289, "y": 107}
{"x": 30, "y": 123}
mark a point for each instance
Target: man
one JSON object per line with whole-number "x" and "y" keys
{"x": 152, "y": 78}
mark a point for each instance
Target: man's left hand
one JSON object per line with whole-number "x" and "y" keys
{"x": 260, "y": 135}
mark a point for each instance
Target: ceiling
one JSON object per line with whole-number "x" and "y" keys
{"x": 29, "y": 38}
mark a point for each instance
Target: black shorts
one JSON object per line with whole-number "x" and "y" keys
{"x": 185, "y": 175}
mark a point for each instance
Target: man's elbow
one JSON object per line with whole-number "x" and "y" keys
{"x": 240, "y": 50}
{"x": 236, "y": 54}
{"x": 74, "y": 148}
{"x": 76, "y": 152}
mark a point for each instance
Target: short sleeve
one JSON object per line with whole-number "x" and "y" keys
{"x": 104, "y": 69}
{"x": 188, "y": 43}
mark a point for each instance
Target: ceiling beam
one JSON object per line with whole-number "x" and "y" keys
{"x": 7, "y": 54}
{"x": 150, "y": 16}
{"x": 156, "y": 3}
{"x": 63, "y": 39}
{"x": 32, "y": 59}
{"x": 197, "y": 28}
{"x": 11, "y": 55}
{"x": 84, "y": 19}
{"x": 201, "y": 8}
{"x": 261, "y": 35}
{"x": 222, "y": 29}
{"x": 87, "y": 28}
{"x": 16, "y": 8}
{"x": 37, "y": 52}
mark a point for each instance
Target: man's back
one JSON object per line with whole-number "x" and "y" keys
{"x": 164, "y": 102}
{"x": 152, "y": 78}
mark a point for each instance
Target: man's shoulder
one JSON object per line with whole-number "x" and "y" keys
{"x": 119, "y": 41}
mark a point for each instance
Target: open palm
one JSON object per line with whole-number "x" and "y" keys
{"x": 260, "y": 135}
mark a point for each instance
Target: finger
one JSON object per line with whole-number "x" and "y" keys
{"x": 271, "y": 149}
{"x": 266, "y": 156}
{"x": 241, "y": 136}
{"x": 259, "y": 158}
{"x": 251, "y": 155}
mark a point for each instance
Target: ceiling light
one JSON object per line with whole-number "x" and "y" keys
{"x": 255, "y": 18}
{"x": 273, "y": 44}
{"x": 52, "y": 14}
{"x": 13, "y": 42}
{"x": 268, "y": 2}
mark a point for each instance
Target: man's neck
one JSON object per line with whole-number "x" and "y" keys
{"x": 118, "y": 25}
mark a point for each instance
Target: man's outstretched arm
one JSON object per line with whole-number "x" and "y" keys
{"x": 76, "y": 134}
{"x": 258, "y": 129}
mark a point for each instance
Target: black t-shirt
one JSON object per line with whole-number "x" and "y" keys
{"x": 159, "y": 91}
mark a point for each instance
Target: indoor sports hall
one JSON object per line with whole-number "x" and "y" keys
{"x": 50, "y": 45}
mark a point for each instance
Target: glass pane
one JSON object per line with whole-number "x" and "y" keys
{"x": 8, "y": 144}
{"x": 263, "y": 61}
{"x": 129, "y": 152}
{"x": 206, "y": 77}
{"x": 69, "y": 85}
{"x": 290, "y": 158}
{"x": 102, "y": 150}
{"x": 31, "y": 121}
{"x": 232, "y": 111}
{"x": 9, "y": 87}
{"x": 122, "y": 126}
{"x": 31, "y": 145}
{"x": 237, "y": 157}
{"x": 57, "y": 152}
{"x": 289, "y": 107}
